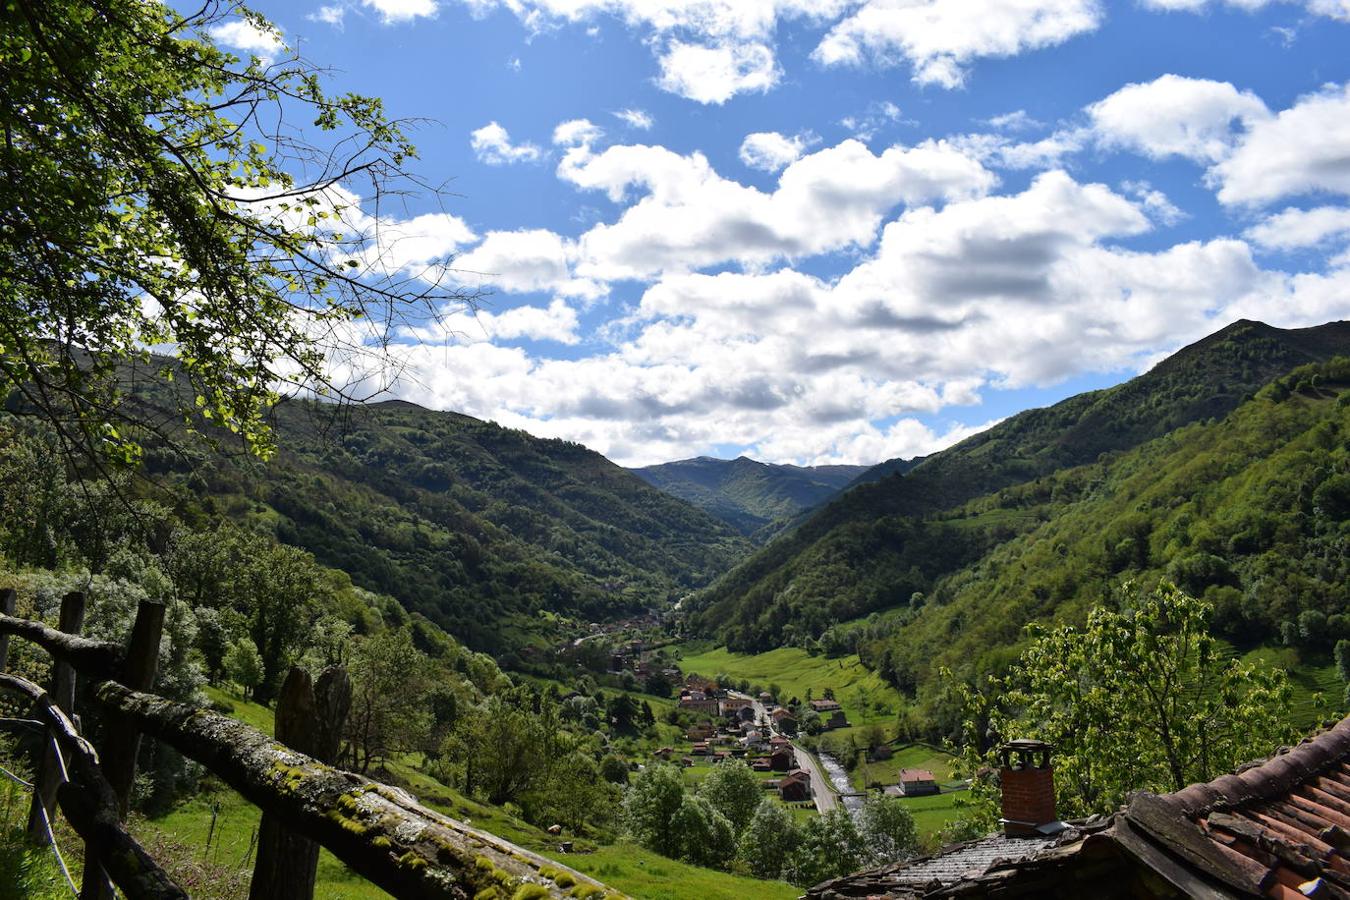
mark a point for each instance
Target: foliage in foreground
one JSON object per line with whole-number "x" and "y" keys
{"x": 1136, "y": 699}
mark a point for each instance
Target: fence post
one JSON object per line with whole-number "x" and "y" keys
{"x": 309, "y": 718}
{"x": 8, "y": 600}
{"x": 63, "y": 693}
{"x": 142, "y": 661}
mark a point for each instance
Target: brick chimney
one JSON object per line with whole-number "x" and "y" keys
{"x": 1028, "y": 782}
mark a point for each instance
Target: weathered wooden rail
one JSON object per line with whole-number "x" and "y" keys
{"x": 379, "y": 831}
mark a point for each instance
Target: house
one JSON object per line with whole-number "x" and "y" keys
{"x": 794, "y": 786}
{"x": 825, "y": 707}
{"x": 1280, "y": 828}
{"x": 754, "y": 741}
{"x": 721, "y": 756}
{"x": 778, "y": 742}
{"x": 699, "y": 732}
{"x": 665, "y": 753}
{"x": 837, "y": 719}
{"x": 732, "y": 706}
{"x": 687, "y": 761}
{"x": 784, "y": 720}
{"x": 698, "y": 701}
{"x": 761, "y": 764}
{"x": 766, "y": 698}
{"x": 700, "y": 748}
{"x": 746, "y": 714}
{"x": 917, "y": 783}
{"x": 782, "y": 760}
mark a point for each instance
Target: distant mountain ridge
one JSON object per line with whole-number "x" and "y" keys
{"x": 875, "y": 546}
{"x": 747, "y": 494}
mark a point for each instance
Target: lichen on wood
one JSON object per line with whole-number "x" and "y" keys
{"x": 381, "y": 832}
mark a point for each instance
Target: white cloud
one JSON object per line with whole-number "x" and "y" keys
{"x": 1158, "y": 205}
{"x": 1336, "y": 9}
{"x": 1303, "y": 150}
{"x": 877, "y": 116}
{"x": 686, "y": 216}
{"x": 635, "y": 118}
{"x": 334, "y": 15}
{"x": 714, "y": 73}
{"x": 242, "y": 35}
{"x": 393, "y": 11}
{"x": 1293, "y": 229}
{"x": 556, "y": 322}
{"x": 940, "y": 38}
{"x": 770, "y": 151}
{"x": 1017, "y": 120}
{"x": 524, "y": 261}
{"x": 577, "y": 133}
{"x": 1047, "y": 153}
{"x": 492, "y": 145}
{"x": 1175, "y": 116}
{"x": 696, "y": 41}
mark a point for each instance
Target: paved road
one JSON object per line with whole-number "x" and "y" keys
{"x": 821, "y": 792}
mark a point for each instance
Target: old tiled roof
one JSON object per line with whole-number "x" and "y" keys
{"x": 1280, "y": 828}
{"x": 915, "y": 775}
{"x": 929, "y": 875}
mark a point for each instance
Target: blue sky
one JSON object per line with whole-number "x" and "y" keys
{"x": 841, "y": 230}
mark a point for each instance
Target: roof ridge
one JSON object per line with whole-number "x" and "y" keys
{"x": 1273, "y": 777}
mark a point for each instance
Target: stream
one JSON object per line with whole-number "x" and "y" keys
{"x": 838, "y": 776}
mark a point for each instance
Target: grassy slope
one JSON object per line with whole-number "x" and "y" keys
{"x": 631, "y": 869}
{"x": 866, "y": 699}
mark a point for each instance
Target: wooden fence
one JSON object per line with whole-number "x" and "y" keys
{"x": 379, "y": 831}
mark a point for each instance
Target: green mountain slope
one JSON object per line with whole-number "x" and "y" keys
{"x": 485, "y": 530}
{"x": 746, "y": 494}
{"x": 878, "y": 544}
{"x": 1251, "y": 512}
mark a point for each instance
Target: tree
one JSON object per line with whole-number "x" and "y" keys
{"x": 830, "y": 846}
{"x": 888, "y": 830}
{"x": 733, "y": 791}
{"x": 768, "y": 839}
{"x": 151, "y": 197}
{"x": 390, "y": 710}
{"x": 649, "y": 808}
{"x": 1139, "y": 697}
{"x": 244, "y": 665}
{"x": 701, "y": 834}
{"x": 613, "y": 769}
{"x": 278, "y": 587}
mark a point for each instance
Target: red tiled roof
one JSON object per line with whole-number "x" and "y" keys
{"x": 1273, "y": 828}
{"x": 916, "y": 775}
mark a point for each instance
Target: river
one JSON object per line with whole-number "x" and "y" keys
{"x": 838, "y": 776}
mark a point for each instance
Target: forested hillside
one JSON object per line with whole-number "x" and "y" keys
{"x": 485, "y": 530}
{"x": 890, "y": 543}
{"x": 746, "y": 494}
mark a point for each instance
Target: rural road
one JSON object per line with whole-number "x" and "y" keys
{"x": 821, "y": 791}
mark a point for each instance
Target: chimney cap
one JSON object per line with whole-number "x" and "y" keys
{"x": 1026, "y": 751}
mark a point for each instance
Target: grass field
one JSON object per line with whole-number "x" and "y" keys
{"x": 625, "y": 867}
{"x": 931, "y": 814}
{"x": 909, "y": 756}
{"x": 866, "y": 699}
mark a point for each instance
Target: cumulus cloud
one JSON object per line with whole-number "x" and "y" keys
{"x": 1295, "y": 229}
{"x": 940, "y": 38}
{"x": 770, "y": 151}
{"x": 492, "y": 145}
{"x": 393, "y": 11}
{"x": 244, "y": 36}
{"x": 687, "y": 216}
{"x": 1194, "y": 118}
{"x": 577, "y": 133}
{"x": 525, "y": 261}
{"x": 556, "y": 322}
{"x": 1158, "y": 205}
{"x": 715, "y": 73}
{"x": 1303, "y": 150}
{"x": 708, "y": 50}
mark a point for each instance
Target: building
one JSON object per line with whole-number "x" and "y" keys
{"x": 761, "y": 764}
{"x": 784, "y": 720}
{"x": 916, "y": 783}
{"x": 794, "y": 786}
{"x": 825, "y": 707}
{"x": 1279, "y": 829}
{"x": 782, "y": 760}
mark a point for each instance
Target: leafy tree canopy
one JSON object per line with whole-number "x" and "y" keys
{"x": 159, "y": 191}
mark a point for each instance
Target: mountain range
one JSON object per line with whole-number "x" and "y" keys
{"x": 750, "y": 496}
